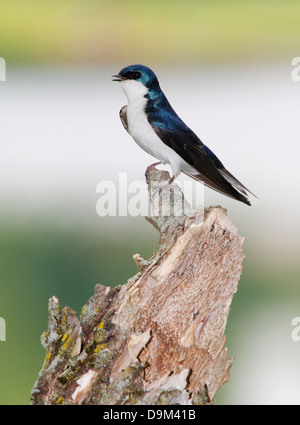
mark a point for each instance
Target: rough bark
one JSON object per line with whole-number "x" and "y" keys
{"x": 159, "y": 338}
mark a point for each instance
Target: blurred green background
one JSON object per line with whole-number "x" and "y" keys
{"x": 226, "y": 67}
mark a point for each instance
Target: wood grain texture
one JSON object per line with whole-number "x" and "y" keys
{"x": 159, "y": 338}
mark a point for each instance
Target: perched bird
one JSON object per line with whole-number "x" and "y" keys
{"x": 154, "y": 125}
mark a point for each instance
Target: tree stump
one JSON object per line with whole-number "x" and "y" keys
{"x": 159, "y": 338}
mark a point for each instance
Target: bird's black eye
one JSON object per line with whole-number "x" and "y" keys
{"x": 136, "y": 75}
{"x": 132, "y": 75}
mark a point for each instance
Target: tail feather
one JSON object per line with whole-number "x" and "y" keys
{"x": 234, "y": 181}
{"x": 234, "y": 194}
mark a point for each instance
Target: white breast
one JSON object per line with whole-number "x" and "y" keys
{"x": 140, "y": 128}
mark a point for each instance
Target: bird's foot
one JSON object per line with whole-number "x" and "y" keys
{"x": 150, "y": 168}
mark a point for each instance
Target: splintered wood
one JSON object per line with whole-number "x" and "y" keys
{"x": 159, "y": 338}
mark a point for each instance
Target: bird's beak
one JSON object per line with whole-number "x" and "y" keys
{"x": 118, "y": 77}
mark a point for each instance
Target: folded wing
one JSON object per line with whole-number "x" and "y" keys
{"x": 208, "y": 168}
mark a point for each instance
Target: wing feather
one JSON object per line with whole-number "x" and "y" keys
{"x": 123, "y": 117}
{"x": 179, "y": 137}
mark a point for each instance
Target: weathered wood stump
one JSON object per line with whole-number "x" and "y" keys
{"x": 159, "y": 338}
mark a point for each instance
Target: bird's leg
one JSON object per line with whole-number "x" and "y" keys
{"x": 152, "y": 166}
{"x": 176, "y": 172}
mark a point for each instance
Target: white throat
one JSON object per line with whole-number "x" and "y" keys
{"x": 134, "y": 90}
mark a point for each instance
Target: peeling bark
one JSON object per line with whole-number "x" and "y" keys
{"x": 158, "y": 339}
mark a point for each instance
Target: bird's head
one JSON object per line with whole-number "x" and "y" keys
{"x": 136, "y": 80}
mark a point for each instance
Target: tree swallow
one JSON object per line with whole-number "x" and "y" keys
{"x": 154, "y": 125}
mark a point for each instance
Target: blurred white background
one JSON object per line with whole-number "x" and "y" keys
{"x": 61, "y": 134}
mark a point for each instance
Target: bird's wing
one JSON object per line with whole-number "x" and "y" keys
{"x": 123, "y": 117}
{"x": 179, "y": 137}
